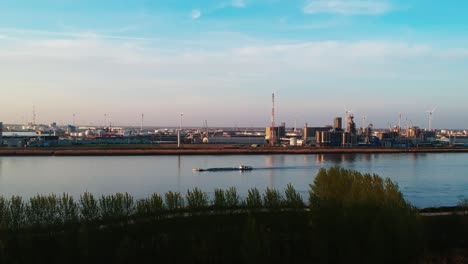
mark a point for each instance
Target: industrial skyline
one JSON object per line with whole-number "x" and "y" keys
{"x": 364, "y": 122}
{"x": 220, "y": 60}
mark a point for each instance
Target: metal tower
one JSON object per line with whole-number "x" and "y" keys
{"x": 272, "y": 129}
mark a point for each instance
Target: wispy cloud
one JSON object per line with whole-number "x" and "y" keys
{"x": 196, "y": 14}
{"x": 20, "y": 33}
{"x": 142, "y": 71}
{"x": 232, "y": 3}
{"x": 348, "y": 7}
{"x": 238, "y": 3}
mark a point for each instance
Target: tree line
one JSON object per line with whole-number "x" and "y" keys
{"x": 349, "y": 217}
{"x": 44, "y": 210}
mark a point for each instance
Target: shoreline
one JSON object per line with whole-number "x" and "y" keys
{"x": 214, "y": 150}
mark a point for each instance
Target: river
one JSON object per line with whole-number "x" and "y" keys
{"x": 435, "y": 179}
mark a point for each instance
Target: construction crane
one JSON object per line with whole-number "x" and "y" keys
{"x": 142, "y": 118}
{"x": 272, "y": 129}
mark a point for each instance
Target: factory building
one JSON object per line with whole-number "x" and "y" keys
{"x": 338, "y": 123}
{"x": 348, "y": 139}
{"x": 350, "y": 125}
{"x": 309, "y": 133}
{"x": 413, "y": 132}
{"x": 329, "y": 138}
{"x": 428, "y": 136}
{"x": 278, "y": 132}
{"x": 367, "y": 135}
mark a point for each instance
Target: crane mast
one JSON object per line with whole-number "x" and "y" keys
{"x": 272, "y": 129}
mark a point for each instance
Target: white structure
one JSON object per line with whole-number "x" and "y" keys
{"x": 431, "y": 112}
{"x": 293, "y": 142}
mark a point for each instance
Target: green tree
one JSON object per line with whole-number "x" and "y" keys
{"x": 43, "y": 210}
{"x": 4, "y": 205}
{"x": 89, "y": 209}
{"x": 272, "y": 199}
{"x": 68, "y": 209}
{"x": 119, "y": 205}
{"x": 362, "y": 218}
{"x": 292, "y": 198}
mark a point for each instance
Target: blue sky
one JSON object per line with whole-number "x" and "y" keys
{"x": 220, "y": 60}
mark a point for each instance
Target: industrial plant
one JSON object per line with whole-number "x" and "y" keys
{"x": 343, "y": 133}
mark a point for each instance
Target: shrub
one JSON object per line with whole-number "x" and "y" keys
{"x": 174, "y": 201}
{"x": 219, "y": 199}
{"x": 232, "y": 199}
{"x": 196, "y": 199}
{"x": 151, "y": 206}
{"x": 253, "y": 200}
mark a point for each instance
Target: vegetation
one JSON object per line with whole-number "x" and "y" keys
{"x": 362, "y": 216}
{"x": 350, "y": 218}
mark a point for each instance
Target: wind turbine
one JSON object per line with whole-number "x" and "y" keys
{"x": 430, "y": 117}
{"x": 348, "y": 113}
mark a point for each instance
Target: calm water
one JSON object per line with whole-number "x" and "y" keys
{"x": 425, "y": 179}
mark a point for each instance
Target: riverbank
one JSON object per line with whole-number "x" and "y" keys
{"x": 199, "y": 149}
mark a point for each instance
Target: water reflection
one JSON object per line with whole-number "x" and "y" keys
{"x": 178, "y": 172}
{"x": 337, "y": 159}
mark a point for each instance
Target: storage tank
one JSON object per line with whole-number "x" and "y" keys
{"x": 346, "y": 141}
{"x": 318, "y": 136}
{"x": 89, "y": 132}
{"x": 326, "y": 137}
{"x": 293, "y": 142}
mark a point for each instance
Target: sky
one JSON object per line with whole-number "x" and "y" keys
{"x": 220, "y": 61}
